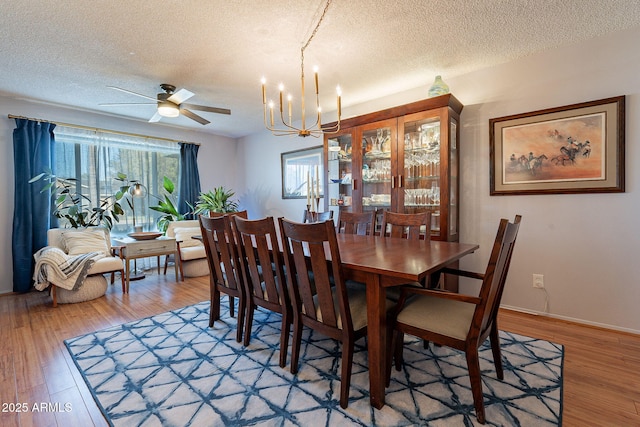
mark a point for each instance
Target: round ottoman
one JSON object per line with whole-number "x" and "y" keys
{"x": 195, "y": 268}
{"x": 92, "y": 288}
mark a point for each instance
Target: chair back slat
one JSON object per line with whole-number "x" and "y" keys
{"x": 262, "y": 259}
{"x": 221, "y": 251}
{"x": 362, "y": 223}
{"x": 311, "y": 275}
{"x": 408, "y": 226}
{"x": 495, "y": 275}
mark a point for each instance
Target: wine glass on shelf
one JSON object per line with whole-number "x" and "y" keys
{"x": 435, "y": 194}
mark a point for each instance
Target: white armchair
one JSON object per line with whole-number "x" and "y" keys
{"x": 192, "y": 258}
{"x": 74, "y": 242}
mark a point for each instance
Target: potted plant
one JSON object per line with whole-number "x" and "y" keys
{"x": 167, "y": 206}
{"x": 219, "y": 200}
{"x": 77, "y": 208}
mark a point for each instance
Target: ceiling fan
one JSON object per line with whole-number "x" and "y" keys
{"x": 171, "y": 103}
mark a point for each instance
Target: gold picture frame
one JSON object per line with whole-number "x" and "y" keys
{"x": 577, "y": 148}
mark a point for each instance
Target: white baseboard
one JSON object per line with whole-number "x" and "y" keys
{"x": 572, "y": 319}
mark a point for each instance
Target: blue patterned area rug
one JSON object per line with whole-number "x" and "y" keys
{"x": 173, "y": 370}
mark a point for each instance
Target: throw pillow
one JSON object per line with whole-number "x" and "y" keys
{"x": 183, "y": 235}
{"x": 79, "y": 242}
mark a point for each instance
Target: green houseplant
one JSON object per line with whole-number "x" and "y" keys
{"x": 167, "y": 206}
{"x": 77, "y": 208}
{"x": 219, "y": 200}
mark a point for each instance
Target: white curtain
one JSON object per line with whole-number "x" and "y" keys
{"x": 96, "y": 157}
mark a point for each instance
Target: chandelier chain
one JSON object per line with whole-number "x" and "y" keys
{"x": 315, "y": 30}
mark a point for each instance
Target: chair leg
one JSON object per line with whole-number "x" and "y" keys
{"x": 248, "y": 324}
{"x": 391, "y": 345}
{"x": 54, "y": 295}
{"x": 179, "y": 261}
{"x": 166, "y": 264}
{"x": 113, "y": 277}
{"x": 494, "y": 339}
{"x": 214, "y": 312}
{"x": 399, "y": 340}
{"x": 345, "y": 380}
{"x": 284, "y": 337}
{"x": 231, "y": 306}
{"x": 122, "y": 280}
{"x": 473, "y": 363}
{"x": 295, "y": 345}
{"x": 242, "y": 308}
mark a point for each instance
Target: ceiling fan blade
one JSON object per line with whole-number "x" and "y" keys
{"x": 194, "y": 116}
{"x": 124, "y": 104}
{"x": 132, "y": 93}
{"x": 205, "y": 108}
{"x": 180, "y": 96}
{"x": 156, "y": 118}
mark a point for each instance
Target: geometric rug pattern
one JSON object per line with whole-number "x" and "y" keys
{"x": 173, "y": 370}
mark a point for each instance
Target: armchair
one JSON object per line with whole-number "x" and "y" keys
{"x": 192, "y": 258}
{"x": 76, "y": 242}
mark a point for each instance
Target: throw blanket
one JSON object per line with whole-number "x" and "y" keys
{"x": 53, "y": 265}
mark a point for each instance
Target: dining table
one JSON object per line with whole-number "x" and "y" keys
{"x": 383, "y": 262}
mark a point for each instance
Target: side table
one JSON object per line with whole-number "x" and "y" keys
{"x": 131, "y": 249}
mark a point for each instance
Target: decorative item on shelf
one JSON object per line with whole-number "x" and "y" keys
{"x": 313, "y": 191}
{"x": 439, "y": 87}
{"x": 316, "y": 130}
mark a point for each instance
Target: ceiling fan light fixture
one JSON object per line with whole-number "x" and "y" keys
{"x": 168, "y": 109}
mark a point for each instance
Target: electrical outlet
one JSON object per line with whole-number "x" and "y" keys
{"x": 538, "y": 281}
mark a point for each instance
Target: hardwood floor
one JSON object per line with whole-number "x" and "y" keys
{"x": 601, "y": 367}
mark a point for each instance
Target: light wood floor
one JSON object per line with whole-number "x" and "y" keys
{"x": 601, "y": 367}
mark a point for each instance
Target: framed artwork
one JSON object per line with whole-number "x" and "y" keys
{"x": 302, "y": 173}
{"x": 573, "y": 149}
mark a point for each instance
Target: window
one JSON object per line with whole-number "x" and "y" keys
{"x": 94, "y": 158}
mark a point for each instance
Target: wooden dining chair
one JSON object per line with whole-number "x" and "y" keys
{"x": 405, "y": 226}
{"x": 224, "y": 276}
{"x": 316, "y": 216}
{"x": 241, "y": 214}
{"x": 461, "y": 321}
{"x": 408, "y": 226}
{"x": 336, "y": 311}
{"x": 362, "y": 223}
{"x": 262, "y": 266}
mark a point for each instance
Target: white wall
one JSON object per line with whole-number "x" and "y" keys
{"x": 585, "y": 245}
{"x": 216, "y": 158}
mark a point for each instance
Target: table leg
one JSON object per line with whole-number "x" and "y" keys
{"x": 127, "y": 274}
{"x": 376, "y": 339}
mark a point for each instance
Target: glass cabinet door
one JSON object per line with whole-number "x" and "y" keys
{"x": 453, "y": 180}
{"x": 377, "y": 143}
{"x": 420, "y": 168}
{"x": 340, "y": 173}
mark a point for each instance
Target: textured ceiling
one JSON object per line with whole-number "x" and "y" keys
{"x": 68, "y": 51}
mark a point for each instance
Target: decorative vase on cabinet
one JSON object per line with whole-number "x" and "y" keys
{"x": 439, "y": 87}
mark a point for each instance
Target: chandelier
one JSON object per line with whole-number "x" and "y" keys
{"x": 314, "y": 130}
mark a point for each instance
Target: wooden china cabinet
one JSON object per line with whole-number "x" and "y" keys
{"x": 404, "y": 159}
